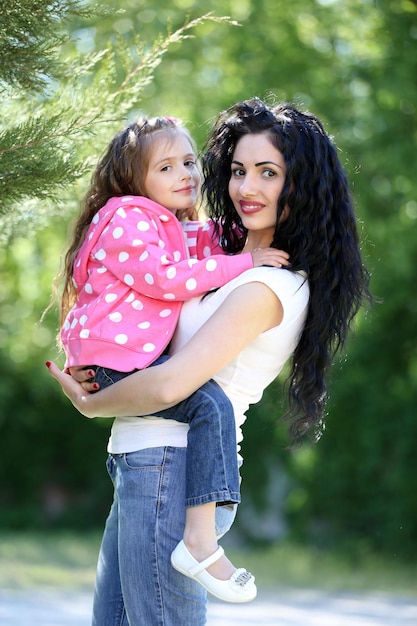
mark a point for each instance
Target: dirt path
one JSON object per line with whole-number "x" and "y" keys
{"x": 289, "y": 608}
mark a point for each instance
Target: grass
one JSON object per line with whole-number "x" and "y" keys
{"x": 68, "y": 561}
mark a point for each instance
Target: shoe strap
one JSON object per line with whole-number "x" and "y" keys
{"x": 207, "y": 562}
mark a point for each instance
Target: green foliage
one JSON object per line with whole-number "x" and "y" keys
{"x": 50, "y": 138}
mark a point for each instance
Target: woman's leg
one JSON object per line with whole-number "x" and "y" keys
{"x": 150, "y": 488}
{"x": 108, "y": 606}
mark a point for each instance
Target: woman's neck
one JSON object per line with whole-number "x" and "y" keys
{"x": 255, "y": 241}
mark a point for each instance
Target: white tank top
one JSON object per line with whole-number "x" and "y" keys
{"x": 245, "y": 378}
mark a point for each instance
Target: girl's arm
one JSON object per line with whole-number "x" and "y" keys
{"x": 248, "y": 311}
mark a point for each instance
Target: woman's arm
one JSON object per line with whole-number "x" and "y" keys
{"x": 248, "y": 311}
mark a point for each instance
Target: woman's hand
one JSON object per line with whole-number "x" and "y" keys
{"x": 72, "y": 389}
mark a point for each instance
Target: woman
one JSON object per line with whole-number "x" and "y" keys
{"x": 272, "y": 177}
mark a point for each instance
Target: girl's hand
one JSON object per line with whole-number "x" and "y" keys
{"x": 271, "y": 257}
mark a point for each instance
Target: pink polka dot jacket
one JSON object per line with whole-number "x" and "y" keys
{"x": 137, "y": 265}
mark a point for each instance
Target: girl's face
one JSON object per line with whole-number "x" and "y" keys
{"x": 256, "y": 182}
{"x": 173, "y": 178}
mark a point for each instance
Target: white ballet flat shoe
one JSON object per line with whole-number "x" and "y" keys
{"x": 239, "y": 588}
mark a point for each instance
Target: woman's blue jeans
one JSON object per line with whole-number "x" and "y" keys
{"x": 212, "y": 464}
{"x": 136, "y": 584}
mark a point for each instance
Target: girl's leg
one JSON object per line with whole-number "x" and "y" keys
{"x": 212, "y": 474}
{"x": 150, "y": 486}
{"x": 212, "y": 464}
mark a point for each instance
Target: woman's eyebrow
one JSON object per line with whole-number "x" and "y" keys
{"x": 260, "y": 163}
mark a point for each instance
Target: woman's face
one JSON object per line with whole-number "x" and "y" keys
{"x": 256, "y": 182}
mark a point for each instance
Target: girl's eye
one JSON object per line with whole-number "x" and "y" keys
{"x": 238, "y": 171}
{"x": 189, "y": 163}
{"x": 269, "y": 173}
{"x": 165, "y": 168}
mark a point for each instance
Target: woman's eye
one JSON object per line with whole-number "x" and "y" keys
{"x": 269, "y": 173}
{"x": 238, "y": 172}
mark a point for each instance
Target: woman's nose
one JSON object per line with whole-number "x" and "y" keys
{"x": 247, "y": 187}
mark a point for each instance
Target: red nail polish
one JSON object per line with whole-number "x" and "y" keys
{"x": 48, "y": 364}
{"x": 96, "y": 386}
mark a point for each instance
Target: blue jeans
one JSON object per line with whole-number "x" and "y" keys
{"x": 212, "y": 465}
{"x": 136, "y": 584}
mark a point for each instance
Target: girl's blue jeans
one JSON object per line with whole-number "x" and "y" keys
{"x": 136, "y": 584}
{"x": 212, "y": 473}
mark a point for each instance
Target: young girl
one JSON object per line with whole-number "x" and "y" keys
{"x": 126, "y": 274}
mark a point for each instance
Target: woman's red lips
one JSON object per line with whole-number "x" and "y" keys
{"x": 250, "y": 207}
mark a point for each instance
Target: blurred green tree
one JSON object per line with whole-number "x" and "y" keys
{"x": 354, "y": 65}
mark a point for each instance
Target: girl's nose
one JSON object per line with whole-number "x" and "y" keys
{"x": 185, "y": 173}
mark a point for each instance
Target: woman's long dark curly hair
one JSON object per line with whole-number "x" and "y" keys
{"x": 320, "y": 234}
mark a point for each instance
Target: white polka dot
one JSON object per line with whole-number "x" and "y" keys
{"x": 165, "y": 313}
{"x": 137, "y": 242}
{"x": 171, "y": 272}
{"x": 177, "y": 256}
{"x": 143, "y": 226}
{"x": 115, "y": 317}
{"x": 144, "y": 256}
{"x": 128, "y": 279}
{"x": 127, "y": 198}
{"x": 67, "y": 325}
{"x": 144, "y": 325}
{"x": 169, "y": 296}
{"x": 206, "y": 251}
{"x": 110, "y": 297}
{"x": 211, "y": 265}
{"x": 148, "y": 347}
{"x": 85, "y": 333}
{"x": 121, "y": 212}
{"x": 164, "y": 259}
{"x": 191, "y": 284}
{"x": 121, "y": 339}
{"x": 123, "y": 256}
{"x": 74, "y": 322}
{"x": 102, "y": 270}
{"x": 106, "y": 229}
{"x": 91, "y": 235}
{"x": 192, "y": 262}
{"x": 137, "y": 305}
{"x": 95, "y": 218}
{"x": 83, "y": 319}
{"x": 164, "y": 218}
{"x": 130, "y": 297}
{"x": 118, "y": 232}
{"x": 100, "y": 255}
{"x": 149, "y": 279}
{"x": 161, "y": 243}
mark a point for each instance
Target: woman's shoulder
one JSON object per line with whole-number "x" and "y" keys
{"x": 291, "y": 288}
